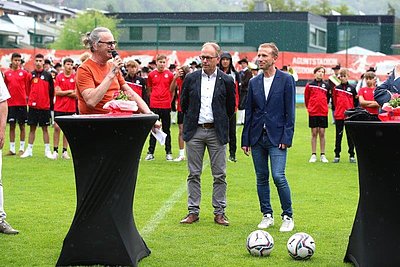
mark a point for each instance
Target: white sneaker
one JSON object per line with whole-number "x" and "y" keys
{"x": 27, "y": 153}
{"x": 55, "y": 155}
{"x": 313, "y": 158}
{"x": 287, "y": 224}
{"x": 65, "y": 155}
{"x": 149, "y": 157}
{"x": 169, "y": 157}
{"x": 49, "y": 155}
{"x": 180, "y": 158}
{"x": 324, "y": 159}
{"x": 266, "y": 221}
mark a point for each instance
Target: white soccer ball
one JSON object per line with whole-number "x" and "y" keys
{"x": 301, "y": 246}
{"x": 259, "y": 243}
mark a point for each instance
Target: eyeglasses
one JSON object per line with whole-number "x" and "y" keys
{"x": 208, "y": 58}
{"x": 110, "y": 43}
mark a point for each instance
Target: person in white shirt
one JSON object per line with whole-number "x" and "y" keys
{"x": 208, "y": 103}
{"x": 5, "y": 228}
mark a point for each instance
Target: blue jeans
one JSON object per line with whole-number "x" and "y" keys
{"x": 260, "y": 152}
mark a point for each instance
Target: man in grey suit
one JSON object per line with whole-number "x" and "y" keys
{"x": 208, "y": 102}
{"x": 268, "y": 132}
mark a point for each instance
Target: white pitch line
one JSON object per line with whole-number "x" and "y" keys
{"x": 162, "y": 212}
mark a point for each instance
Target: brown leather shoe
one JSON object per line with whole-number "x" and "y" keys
{"x": 221, "y": 219}
{"x": 190, "y": 218}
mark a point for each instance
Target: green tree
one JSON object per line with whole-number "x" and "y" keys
{"x": 343, "y": 9}
{"x": 323, "y": 7}
{"x": 74, "y": 28}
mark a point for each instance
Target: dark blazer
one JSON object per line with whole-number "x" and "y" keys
{"x": 382, "y": 93}
{"x": 223, "y": 104}
{"x": 277, "y": 113}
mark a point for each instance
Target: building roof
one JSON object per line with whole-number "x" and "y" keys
{"x": 361, "y": 19}
{"x": 8, "y": 28}
{"x": 28, "y": 25}
{"x": 20, "y": 8}
{"x": 233, "y": 16}
{"x": 46, "y": 8}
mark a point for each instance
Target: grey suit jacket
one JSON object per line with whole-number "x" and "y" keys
{"x": 223, "y": 104}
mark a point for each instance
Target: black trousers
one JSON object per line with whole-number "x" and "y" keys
{"x": 232, "y": 136}
{"x": 165, "y": 118}
{"x": 339, "y": 135}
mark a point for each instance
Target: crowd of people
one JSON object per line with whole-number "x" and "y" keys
{"x": 210, "y": 98}
{"x": 342, "y": 95}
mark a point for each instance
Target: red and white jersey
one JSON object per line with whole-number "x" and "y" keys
{"x": 41, "y": 90}
{"x": 159, "y": 83}
{"x": 65, "y": 103}
{"x": 17, "y": 82}
{"x": 316, "y": 98}
{"x": 368, "y": 94}
{"x": 344, "y": 97}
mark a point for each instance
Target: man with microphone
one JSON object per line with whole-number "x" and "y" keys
{"x": 98, "y": 78}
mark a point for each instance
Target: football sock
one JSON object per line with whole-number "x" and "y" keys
{"x": 21, "y": 145}
{"x": 12, "y": 147}
{"x": 182, "y": 152}
{"x": 46, "y": 147}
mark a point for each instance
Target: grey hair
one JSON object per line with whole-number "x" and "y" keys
{"x": 91, "y": 38}
{"x": 215, "y": 46}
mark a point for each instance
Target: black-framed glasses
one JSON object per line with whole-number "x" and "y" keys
{"x": 207, "y": 57}
{"x": 110, "y": 43}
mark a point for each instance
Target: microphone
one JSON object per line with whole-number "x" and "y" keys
{"x": 114, "y": 54}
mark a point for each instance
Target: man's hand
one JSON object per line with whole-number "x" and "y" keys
{"x": 157, "y": 125}
{"x": 246, "y": 150}
{"x": 282, "y": 146}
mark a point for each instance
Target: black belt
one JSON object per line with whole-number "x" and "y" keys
{"x": 206, "y": 125}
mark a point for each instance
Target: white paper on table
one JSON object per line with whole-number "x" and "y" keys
{"x": 159, "y": 135}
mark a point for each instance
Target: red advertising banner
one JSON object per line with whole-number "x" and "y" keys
{"x": 302, "y": 63}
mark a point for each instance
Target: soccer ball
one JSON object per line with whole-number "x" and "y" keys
{"x": 301, "y": 246}
{"x": 259, "y": 243}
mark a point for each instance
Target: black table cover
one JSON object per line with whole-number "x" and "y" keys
{"x": 374, "y": 239}
{"x": 106, "y": 152}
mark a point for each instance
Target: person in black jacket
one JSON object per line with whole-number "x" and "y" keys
{"x": 207, "y": 102}
{"x": 225, "y": 64}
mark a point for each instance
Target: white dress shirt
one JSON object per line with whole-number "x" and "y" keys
{"x": 207, "y": 92}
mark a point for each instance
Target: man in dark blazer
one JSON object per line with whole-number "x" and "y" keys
{"x": 383, "y": 93}
{"x": 208, "y": 102}
{"x": 268, "y": 132}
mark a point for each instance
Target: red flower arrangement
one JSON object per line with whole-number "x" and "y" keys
{"x": 392, "y": 109}
{"x": 121, "y": 104}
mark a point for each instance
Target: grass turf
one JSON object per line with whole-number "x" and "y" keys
{"x": 40, "y": 201}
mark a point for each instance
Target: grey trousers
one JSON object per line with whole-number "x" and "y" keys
{"x": 195, "y": 148}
